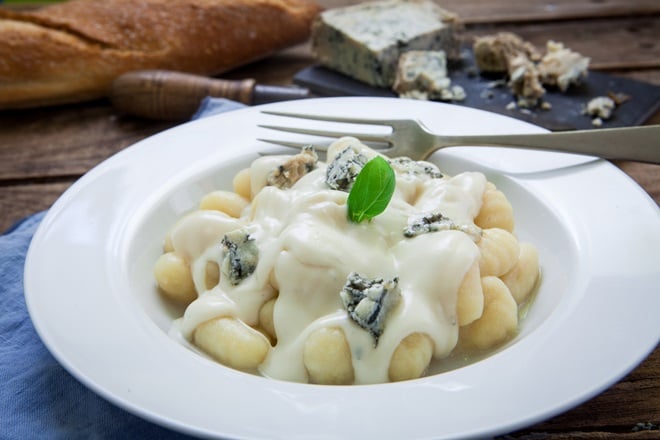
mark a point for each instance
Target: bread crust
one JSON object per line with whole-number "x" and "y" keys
{"x": 71, "y": 51}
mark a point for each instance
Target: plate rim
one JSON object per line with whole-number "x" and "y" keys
{"x": 69, "y": 197}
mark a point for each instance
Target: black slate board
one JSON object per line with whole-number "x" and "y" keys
{"x": 565, "y": 114}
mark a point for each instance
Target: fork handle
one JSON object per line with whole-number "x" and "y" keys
{"x": 629, "y": 143}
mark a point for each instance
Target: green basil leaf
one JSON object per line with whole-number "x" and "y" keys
{"x": 371, "y": 191}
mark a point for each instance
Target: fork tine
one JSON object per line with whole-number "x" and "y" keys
{"x": 299, "y": 145}
{"x": 365, "y": 137}
{"x": 325, "y": 118}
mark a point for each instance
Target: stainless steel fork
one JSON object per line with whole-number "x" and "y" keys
{"x": 411, "y": 138}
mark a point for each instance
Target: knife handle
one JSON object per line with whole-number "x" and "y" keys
{"x": 175, "y": 96}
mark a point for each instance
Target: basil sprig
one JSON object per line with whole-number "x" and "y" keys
{"x": 371, "y": 191}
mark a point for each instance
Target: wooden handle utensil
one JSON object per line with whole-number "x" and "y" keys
{"x": 168, "y": 95}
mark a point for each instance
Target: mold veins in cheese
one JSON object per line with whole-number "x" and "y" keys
{"x": 365, "y": 41}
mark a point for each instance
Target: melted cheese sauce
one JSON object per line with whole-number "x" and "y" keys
{"x": 307, "y": 248}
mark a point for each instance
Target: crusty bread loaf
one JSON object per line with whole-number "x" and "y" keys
{"x": 72, "y": 51}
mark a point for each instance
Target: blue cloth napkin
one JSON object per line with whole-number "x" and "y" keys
{"x": 38, "y": 398}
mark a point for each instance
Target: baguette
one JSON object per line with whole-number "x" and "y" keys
{"x": 72, "y": 51}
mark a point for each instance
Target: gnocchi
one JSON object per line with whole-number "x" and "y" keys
{"x": 498, "y": 321}
{"x": 231, "y": 342}
{"x": 327, "y": 357}
{"x": 277, "y": 279}
{"x": 496, "y": 211}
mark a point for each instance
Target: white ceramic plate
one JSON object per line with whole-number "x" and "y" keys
{"x": 90, "y": 292}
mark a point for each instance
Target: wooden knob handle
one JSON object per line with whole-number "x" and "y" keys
{"x": 161, "y": 94}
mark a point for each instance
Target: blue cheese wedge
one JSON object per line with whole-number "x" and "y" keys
{"x": 368, "y": 301}
{"x": 422, "y": 74}
{"x": 364, "y": 41}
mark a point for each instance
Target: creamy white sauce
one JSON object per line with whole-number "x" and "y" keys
{"x": 307, "y": 248}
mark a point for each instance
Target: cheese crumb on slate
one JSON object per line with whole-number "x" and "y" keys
{"x": 493, "y": 53}
{"x": 423, "y": 75}
{"x": 600, "y": 108}
{"x": 562, "y": 67}
{"x": 529, "y": 72}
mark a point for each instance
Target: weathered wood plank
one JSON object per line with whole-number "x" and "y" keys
{"x": 488, "y": 11}
{"x": 65, "y": 141}
{"x": 17, "y": 202}
{"x": 512, "y": 11}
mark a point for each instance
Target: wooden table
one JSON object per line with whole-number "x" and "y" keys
{"x": 43, "y": 151}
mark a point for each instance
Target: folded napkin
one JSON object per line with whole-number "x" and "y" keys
{"x": 38, "y": 398}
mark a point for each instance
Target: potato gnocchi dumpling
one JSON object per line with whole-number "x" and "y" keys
{"x": 470, "y": 299}
{"x": 496, "y": 211}
{"x": 241, "y": 184}
{"x": 232, "y": 342}
{"x": 276, "y": 278}
{"x": 327, "y": 357}
{"x": 499, "y": 252}
{"x": 266, "y": 318}
{"x": 522, "y": 278}
{"x": 499, "y": 320}
{"x": 228, "y": 202}
{"x": 411, "y": 357}
{"x": 173, "y": 276}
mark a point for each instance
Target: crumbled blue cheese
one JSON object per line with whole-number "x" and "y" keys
{"x": 435, "y": 221}
{"x": 364, "y": 41}
{"x": 344, "y": 168}
{"x": 240, "y": 256}
{"x": 285, "y": 175}
{"x": 493, "y": 53}
{"x": 405, "y": 165}
{"x": 525, "y": 82}
{"x": 562, "y": 67}
{"x": 368, "y": 301}
{"x": 422, "y": 74}
{"x": 600, "y": 108}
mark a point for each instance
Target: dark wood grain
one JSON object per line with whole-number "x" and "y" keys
{"x": 512, "y": 11}
{"x": 44, "y": 151}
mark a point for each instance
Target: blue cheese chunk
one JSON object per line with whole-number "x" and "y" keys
{"x": 600, "y": 108}
{"x": 435, "y": 221}
{"x": 494, "y": 53}
{"x": 364, "y": 41}
{"x": 240, "y": 256}
{"x": 418, "y": 168}
{"x": 344, "y": 168}
{"x": 287, "y": 174}
{"x": 562, "y": 67}
{"x": 368, "y": 301}
{"x": 525, "y": 82}
{"x": 422, "y": 74}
